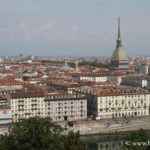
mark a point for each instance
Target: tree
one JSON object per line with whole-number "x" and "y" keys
{"x": 70, "y": 123}
{"x": 92, "y": 64}
{"x": 72, "y": 141}
{"x": 36, "y": 134}
{"x": 136, "y": 140}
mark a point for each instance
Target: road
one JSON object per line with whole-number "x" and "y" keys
{"x": 112, "y": 125}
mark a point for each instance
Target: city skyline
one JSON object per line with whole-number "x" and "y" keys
{"x": 73, "y": 28}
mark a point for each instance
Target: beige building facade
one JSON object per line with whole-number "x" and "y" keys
{"x": 136, "y": 81}
{"x": 123, "y": 106}
{"x": 117, "y": 102}
{"x": 58, "y": 107}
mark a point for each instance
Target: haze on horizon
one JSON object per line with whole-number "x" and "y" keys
{"x": 73, "y": 27}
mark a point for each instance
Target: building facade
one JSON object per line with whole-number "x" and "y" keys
{"x": 58, "y": 107}
{"x": 116, "y": 102}
{"x": 3, "y": 100}
{"x": 93, "y": 78}
{"x": 28, "y": 104}
{"x": 69, "y": 107}
{"x": 135, "y": 81}
{"x": 5, "y": 115}
{"x": 148, "y": 84}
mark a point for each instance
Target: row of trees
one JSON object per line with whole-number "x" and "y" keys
{"x": 39, "y": 134}
{"x": 92, "y": 64}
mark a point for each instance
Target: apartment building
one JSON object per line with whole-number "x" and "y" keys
{"x": 3, "y": 100}
{"x": 60, "y": 107}
{"x": 65, "y": 107}
{"x": 54, "y": 85}
{"x": 27, "y": 104}
{"x": 93, "y": 77}
{"x": 148, "y": 84}
{"x": 117, "y": 101}
{"x": 5, "y": 111}
{"x": 5, "y": 115}
{"x": 136, "y": 81}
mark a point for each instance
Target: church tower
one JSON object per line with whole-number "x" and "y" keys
{"x": 119, "y": 60}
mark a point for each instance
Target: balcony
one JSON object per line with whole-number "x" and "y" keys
{"x": 33, "y": 100}
{"x": 21, "y": 104}
{"x": 33, "y": 104}
{"x": 33, "y": 108}
{"x": 20, "y": 108}
{"x": 20, "y": 101}
{"x": 106, "y": 109}
{"x": 112, "y": 108}
{"x": 27, "y": 113}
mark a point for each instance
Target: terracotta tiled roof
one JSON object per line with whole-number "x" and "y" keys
{"x": 29, "y": 94}
{"x": 115, "y": 90}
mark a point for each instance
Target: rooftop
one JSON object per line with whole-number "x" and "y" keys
{"x": 110, "y": 90}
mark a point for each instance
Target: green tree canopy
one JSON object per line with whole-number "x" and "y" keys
{"x": 72, "y": 141}
{"x": 38, "y": 134}
{"x": 137, "y": 140}
{"x": 92, "y": 64}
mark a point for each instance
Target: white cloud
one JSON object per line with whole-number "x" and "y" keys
{"x": 26, "y": 31}
{"x": 21, "y": 25}
{"x": 44, "y": 28}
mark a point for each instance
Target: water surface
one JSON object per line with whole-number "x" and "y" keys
{"x": 103, "y": 142}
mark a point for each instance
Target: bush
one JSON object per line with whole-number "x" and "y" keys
{"x": 70, "y": 123}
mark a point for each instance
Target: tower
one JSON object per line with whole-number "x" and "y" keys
{"x": 76, "y": 66}
{"x": 119, "y": 60}
{"x": 21, "y": 57}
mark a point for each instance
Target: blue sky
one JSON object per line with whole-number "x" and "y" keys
{"x": 73, "y": 27}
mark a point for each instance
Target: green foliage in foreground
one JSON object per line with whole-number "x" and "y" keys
{"x": 137, "y": 140}
{"x": 39, "y": 134}
{"x": 70, "y": 123}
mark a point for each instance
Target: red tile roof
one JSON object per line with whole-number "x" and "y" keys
{"x": 29, "y": 94}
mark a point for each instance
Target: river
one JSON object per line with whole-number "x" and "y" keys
{"x": 103, "y": 142}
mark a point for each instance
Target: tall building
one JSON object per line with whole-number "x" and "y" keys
{"x": 119, "y": 59}
{"x": 21, "y": 57}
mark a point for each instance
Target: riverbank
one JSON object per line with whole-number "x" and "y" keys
{"x": 111, "y": 126}
{"x": 104, "y": 126}
{"x": 106, "y": 141}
